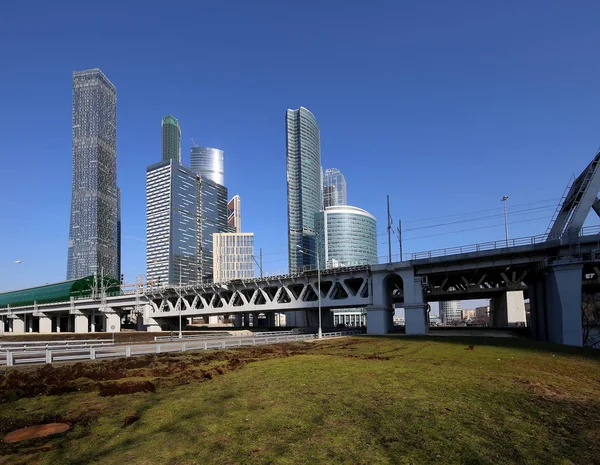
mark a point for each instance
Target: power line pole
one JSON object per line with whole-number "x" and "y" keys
{"x": 261, "y": 268}
{"x": 389, "y": 230}
{"x": 400, "y": 237}
{"x": 504, "y": 199}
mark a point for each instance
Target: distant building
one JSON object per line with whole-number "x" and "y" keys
{"x": 233, "y": 256}
{"x": 172, "y": 206}
{"x": 468, "y": 314}
{"x": 482, "y": 312}
{"x": 334, "y": 188}
{"x": 347, "y": 237}
{"x": 234, "y": 212}
{"x": 304, "y": 186}
{"x": 208, "y": 163}
{"x": 94, "y": 223}
{"x": 171, "y": 139}
{"x": 450, "y": 312}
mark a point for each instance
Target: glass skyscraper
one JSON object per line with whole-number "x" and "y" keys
{"x": 347, "y": 237}
{"x": 172, "y": 207}
{"x": 94, "y": 223}
{"x": 213, "y": 219}
{"x": 171, "y": 139}
{"x": 450, "y": 311}
{"x": 304, "y": 189}
{"x": 334, "y": 188}
{"x": 208, "y": 162}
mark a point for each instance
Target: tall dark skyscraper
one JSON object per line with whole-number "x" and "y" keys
{"x": 93, "y": 233}
{"x": 171, "y": 139}
{"x": 304, "y": 186}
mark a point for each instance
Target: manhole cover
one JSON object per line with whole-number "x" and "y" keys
{"x": 37, "y": 431}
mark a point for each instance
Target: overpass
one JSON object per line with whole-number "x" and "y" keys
{"x": 551, "y": 268}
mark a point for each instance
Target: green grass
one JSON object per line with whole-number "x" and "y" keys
{"x": 359, "y": 401}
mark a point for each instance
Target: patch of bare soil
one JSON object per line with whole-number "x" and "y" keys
{"x": 37, "y": 431}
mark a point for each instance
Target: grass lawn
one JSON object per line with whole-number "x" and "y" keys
{"x": 362, "y": 400}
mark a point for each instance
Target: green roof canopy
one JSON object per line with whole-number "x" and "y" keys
{"x": 57, "y": 292}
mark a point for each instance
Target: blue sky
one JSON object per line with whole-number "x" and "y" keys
{"x": 446, "y": 106}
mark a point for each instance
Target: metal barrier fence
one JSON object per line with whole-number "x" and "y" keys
{"x": 175, "y": 337}
{"x": 11, "y": 358}
{"x": 72, "y": 343}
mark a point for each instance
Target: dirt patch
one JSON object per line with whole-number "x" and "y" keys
{"x": 37, "y": 431}
{"x": 117, "y": 389}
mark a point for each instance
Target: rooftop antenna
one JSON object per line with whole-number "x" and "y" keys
{"x": 193, "y": 142}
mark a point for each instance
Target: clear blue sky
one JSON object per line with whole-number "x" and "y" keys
{"x": 446, "y": 106}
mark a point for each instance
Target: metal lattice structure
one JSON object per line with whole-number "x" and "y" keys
{"x": 577, "y": 203}
{"x": 93, "y": 234}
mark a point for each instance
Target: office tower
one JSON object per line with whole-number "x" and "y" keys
{"x": 234, "y": 212}
{"x": 171, "y": 139}
{"x": 304, "y": 190}
{"x": 347, "y": 237}
{"x": 450, "y": 311}
{"x": 119, "y": 269}
{"x": 334, "y": 188}
{"x": 233, "y": 256}
{"x": 93, "y": 232}
{"x": 208, "y": 162}
{"x": 213, "y": 219}
{"x": 172, "y": 247}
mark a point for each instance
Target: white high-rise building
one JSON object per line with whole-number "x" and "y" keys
{"x": 450, "y": 311}
{"x": 233, "y": 256}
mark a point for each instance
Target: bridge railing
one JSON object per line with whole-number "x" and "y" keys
{"x": 483, "y": 246}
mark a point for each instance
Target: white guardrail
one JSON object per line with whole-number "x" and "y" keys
{"x": 63, "y": 344}
{"x": 12, "y": 357}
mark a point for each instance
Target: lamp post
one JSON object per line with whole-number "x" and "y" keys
{"x": 504, "y": 199}
{"x": 16, "y": 262}
{"x": 180, "y": 298}
{"x": 320, "y": 331}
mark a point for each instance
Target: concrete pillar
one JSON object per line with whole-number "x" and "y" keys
{"x": 45, "y": 325}
{"x": 415, "y": 309}
{"x": 238, "y": 320}
{"x": 113, "y": 322}
{"x": 255, "y": 319}
{"x": 563, "y": 304}
{"x": 508, "y": 309}
{"x": 81, "y": 323}
{"x": 18, "y": 325}
{"x": 297, "y": 319}
{"x": 270, "y": 319}
{"x": 379, "y": 319}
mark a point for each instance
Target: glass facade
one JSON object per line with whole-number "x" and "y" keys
{"x": 304, "y": 186}
{"x": 171, "y": 139}
{"x": 234, "y": 212}
{"x": 208, "y": 163}
{"x": 334, "y": 188}
{"x": 213, "y": 219}
{"x": 347, "y": 237}
{"x": 233, "y": 256}
{"x": 93, "y": 231}
{"x": 450, "y": 311}
{"x": 172, "y": 207}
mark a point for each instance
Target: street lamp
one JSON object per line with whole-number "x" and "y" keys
{"x": 320, "y": 332}
{"x": 180, "y": 300}
{"x": 16, "y": 262}
{"x": 504, "y": 199}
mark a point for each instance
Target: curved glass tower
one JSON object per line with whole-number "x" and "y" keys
{"x": 208, "y": 162}
{"x": 347, "y": 237}
{"x": 171, "y": 139}
{"x": 304, "y": 191}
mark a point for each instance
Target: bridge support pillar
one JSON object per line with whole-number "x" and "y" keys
{"x": 563, "y": 304}
{"x": 379, "y": 319}
{"x": 270, "y": 319}
{"x": 237, "y": 320}
{"x": 81, "y": 323}
{"x": 508, "y": 309}
{"x": 113, "y": 323}
{"x": 45, "y": 325}
{"x": 415, "y": 317}
{"x": 18, "y": 325}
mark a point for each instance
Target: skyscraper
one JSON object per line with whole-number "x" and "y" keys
{"x": 213, "y": 219}
{"x": 334, "y": 188}
{"x": 347, "y": 237}
{"x": 208, "y": 162}
{"x": 171, "y": 139}
{"x": 172, "y": 206}
{"x": 93, "y": 232}
{"x": 304, "y": 190}
{"x": 234, "y": 211}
